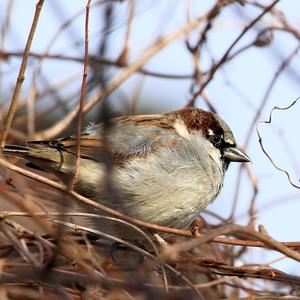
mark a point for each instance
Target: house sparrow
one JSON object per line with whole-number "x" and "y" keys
{"x": 165, "y": 168}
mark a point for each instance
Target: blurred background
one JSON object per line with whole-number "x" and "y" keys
{"x": 240, "y": 60}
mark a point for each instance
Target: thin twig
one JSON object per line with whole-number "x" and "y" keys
{"x": 226, "y": 54}
{"x": 269, "y": 121}
{"x": 21, "y": 76}
{"x": 82, "y": 95}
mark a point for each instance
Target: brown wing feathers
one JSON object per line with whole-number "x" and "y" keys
{"x": 89, "y": 148}
{"x": 95, "y": 149}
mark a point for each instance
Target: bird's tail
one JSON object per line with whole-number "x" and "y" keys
{"x": 38, "y": 158}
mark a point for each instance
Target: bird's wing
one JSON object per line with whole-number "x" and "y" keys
{"x": 121, "y": 138}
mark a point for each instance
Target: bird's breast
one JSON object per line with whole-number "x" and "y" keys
{"x": 169, "y": 187}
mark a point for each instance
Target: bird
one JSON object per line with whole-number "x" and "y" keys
{"x": 162, "y": 168}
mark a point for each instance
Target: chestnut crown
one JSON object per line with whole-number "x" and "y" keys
{"x": 214, "y": 129}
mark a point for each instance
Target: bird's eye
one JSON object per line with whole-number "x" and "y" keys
{"x": 216, "y": 140}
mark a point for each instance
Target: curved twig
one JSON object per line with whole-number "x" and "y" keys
{"x": 263, "y": 148}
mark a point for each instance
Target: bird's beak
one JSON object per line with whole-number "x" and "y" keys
{"x": 235, "y": 154}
